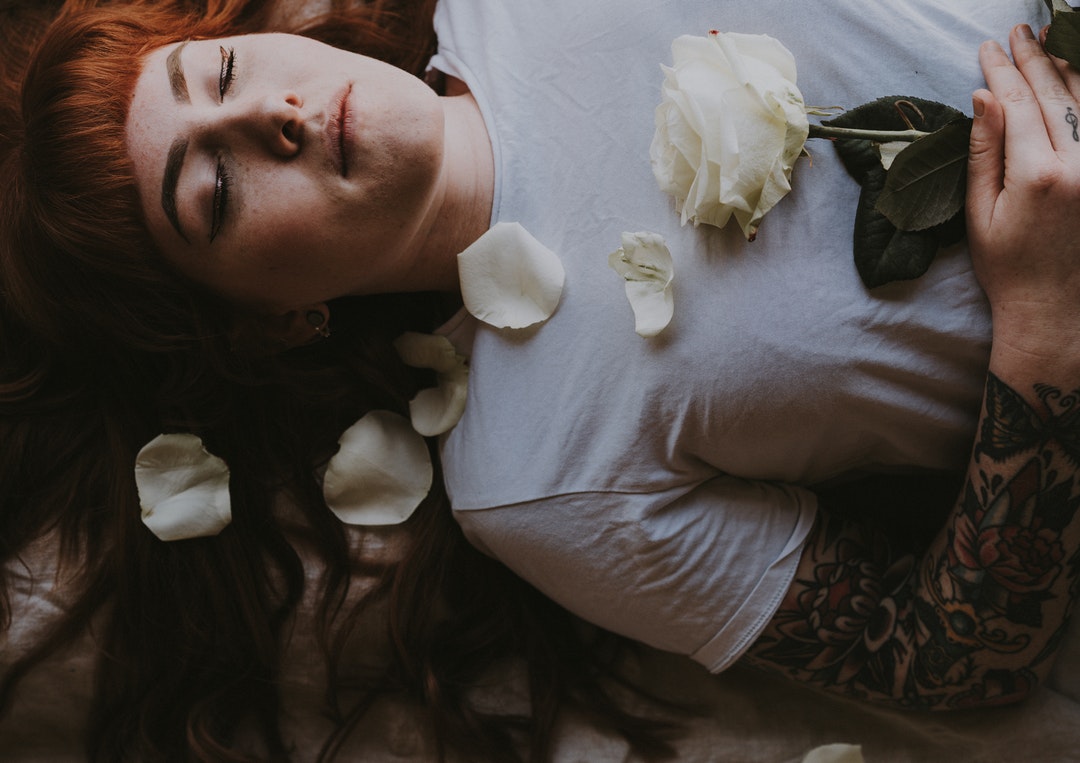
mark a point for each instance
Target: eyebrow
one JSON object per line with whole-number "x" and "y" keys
{"x": 173, "y": 164}
{"x": 175, "y": 68}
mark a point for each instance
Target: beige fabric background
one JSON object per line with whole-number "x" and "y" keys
{"x": 748, "y": 716}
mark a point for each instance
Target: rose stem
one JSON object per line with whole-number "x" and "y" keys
{"x": 878, "y": 136}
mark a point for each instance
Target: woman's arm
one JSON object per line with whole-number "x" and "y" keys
{"x": 977, "y": 620}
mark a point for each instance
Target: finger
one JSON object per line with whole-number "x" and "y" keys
{"x": 1026, "y": 140}
{"x": 986, "y": 161}
{"x": 1056, "y": 102}
{"x": 1069, "y": 75}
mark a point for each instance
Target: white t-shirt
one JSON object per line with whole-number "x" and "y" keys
{"x": 657, "y": 486}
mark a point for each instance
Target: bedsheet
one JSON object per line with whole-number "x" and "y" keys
{"x": 747, "y": 715}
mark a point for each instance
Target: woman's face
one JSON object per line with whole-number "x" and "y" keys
{"x": 281, "y": 172}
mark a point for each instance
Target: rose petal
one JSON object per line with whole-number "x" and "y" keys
{"x": 760, "y": 48}
{"x": 644, "y": 261}
{"x": 888, "y": 151}
{"x": 436, "y": 410}
{"x": 432, "y": 351}
{"x": 183, "y": 489}
{"x": 509, "y": 279}
{"x": 380, "y": 474}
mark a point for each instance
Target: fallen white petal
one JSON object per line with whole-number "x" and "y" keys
{"x": 835, "y": 753}
{"x": 436, "y": 410}
{"x": 888, "y": 151}
{"x": 432, "y": 351}
{"x": 380, "y": 474}
{"x": 644, "y": 261}
{"x": 183, "y": 489}
{"x": 509, "y": 279}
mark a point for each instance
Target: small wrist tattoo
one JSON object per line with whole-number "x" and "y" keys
{"x": 1073, "y": 121}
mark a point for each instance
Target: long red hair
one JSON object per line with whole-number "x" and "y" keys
{"x": 104, "y": 347}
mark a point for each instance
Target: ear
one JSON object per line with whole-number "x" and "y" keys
{"x": 294, "y": 328}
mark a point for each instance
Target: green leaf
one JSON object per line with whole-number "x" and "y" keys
{"x": 951, "y": 231}
{"x": 925, "y": 186}
{"x": 882, "y": 253}
{"x": 860, "y": 156}
{"x": 1063, "y": 36}
{"x": 907, "y": 255}
{"x": 889, "y": 113}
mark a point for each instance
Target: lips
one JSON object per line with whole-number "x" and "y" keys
{"x": 338, "y": 129}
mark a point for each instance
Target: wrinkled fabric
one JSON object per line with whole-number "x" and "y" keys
{"x": 659, "y": 486}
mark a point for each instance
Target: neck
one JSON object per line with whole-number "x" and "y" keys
{"x": 463, "y": 212}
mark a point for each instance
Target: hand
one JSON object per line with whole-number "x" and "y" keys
{"x": 1023, "y": 206}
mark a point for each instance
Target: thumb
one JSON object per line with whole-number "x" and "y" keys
{"x": 986, "y": 160}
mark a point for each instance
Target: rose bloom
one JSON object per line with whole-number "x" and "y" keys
{"x": 1019, "y": 559}
{"x": 730, "y": 125}
{"x": 846, "y": 616}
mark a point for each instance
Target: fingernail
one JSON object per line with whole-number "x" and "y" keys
{"x": 978, "y": 105}
{"x": 1025, "y": 31}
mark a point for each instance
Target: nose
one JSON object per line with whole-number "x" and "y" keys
{"x": 273, "y": 122}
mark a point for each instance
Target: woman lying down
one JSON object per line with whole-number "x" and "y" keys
{"x": 622, "y": 396}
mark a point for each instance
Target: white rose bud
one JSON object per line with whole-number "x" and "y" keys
{"x": 729, "y": 128}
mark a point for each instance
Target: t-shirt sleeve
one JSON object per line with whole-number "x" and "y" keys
{"x": 698, "y": 571}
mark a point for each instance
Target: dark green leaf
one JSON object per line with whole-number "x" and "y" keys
{"x": 882, "y": 253}
{"x": 926, "y": 183}
{"x": 888, "y": 114}
{"x": 951, "y": 231}
{"x": 904, "y": 255}
{"x": 860, "y": 156}
{"x": 1063, "y": 36}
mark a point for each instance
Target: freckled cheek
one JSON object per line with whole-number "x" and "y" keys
{"x": 285, "y": 230}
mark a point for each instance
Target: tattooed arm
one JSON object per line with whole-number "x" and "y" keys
{"x": 976, "y": 620}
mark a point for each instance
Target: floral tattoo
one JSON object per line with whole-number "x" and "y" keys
{"x": 976, "y": 619}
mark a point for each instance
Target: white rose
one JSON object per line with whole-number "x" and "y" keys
{"x": 729, "y": 128}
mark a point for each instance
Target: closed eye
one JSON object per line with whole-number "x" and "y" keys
{"x": 227, "y": 72}
{"x": 222, "y": 183}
